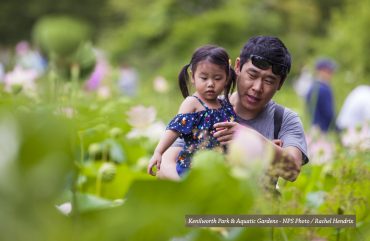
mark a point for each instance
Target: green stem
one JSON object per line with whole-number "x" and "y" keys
{"x": 284, "y": 234}
{"x": 75, "y": 75}
{"x": 338, "y": 234}
{"x": 98, "y": 183}
{"x": 80, "y": 136}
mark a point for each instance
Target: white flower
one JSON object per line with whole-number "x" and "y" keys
{"x": 160, "y": 84}
{"x": 141, "y": 117}
{"x": 248, "y": 153}
{"x": 153, "y": 132}
{"x": 104, "y": 92}
{"x": 357, "y": 137}
{"x": 21, "y": 79}
{"x": 65, "y": 208}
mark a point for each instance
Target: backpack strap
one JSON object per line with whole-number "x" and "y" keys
{"x": 278, "y": 119}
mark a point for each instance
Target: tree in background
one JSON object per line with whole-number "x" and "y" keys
{"x": 17, "y": 17}
{"x": 159, "y": 35}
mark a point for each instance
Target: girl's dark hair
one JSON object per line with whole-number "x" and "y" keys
{"x": 215, "y": 55}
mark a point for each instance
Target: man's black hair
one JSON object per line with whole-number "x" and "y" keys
{"x": 268, "y": 47}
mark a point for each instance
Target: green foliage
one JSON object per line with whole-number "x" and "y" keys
{"x": 85, "y": 161}
{"x": 50, "y": 34}
{"x": 71, "y": 55}
{"x": 161, "y": 35}
{"x": 65, "y": 146}
{"x": 17, "y": 17}
{"x": 347, "y": 43}
{"x": 36, "y": 160}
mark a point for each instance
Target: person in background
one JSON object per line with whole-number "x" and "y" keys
{"x": 356, "y": 108}
{"x": 28, "y": 58}
{"x": 2, "y": 72}
{"x": 320, "y": 99}
{"x": 128, "y": 80}
{"x": 303, "y": 83}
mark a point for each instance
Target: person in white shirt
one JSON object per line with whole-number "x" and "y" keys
{"x": 356, "y": 108}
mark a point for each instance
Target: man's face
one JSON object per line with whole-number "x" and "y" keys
{"x": 256, "y": 87}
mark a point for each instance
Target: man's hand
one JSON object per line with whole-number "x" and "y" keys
{"x": 225, "y": 131}
{"x": 278, "y": 142}
{"x": 287, "y": 162}
{"x": 154, "y": 161}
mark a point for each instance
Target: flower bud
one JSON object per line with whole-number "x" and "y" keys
{"x": 94, "y": 150}
{"x": 107, "y": 171}
{"x": 115, "y": 132}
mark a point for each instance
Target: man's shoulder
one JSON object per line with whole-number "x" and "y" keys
{"x": 288, "y": 113}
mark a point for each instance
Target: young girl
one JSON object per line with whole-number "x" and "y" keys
{"x": 211, "y": 74}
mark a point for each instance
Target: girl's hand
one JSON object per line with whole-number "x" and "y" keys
{"x": 154, "y": 161}
{"x": 225, "y": 131}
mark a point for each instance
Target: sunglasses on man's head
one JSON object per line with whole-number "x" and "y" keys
{"x": 263, "y": 63}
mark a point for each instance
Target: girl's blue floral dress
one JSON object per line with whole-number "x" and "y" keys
{"x": 197, "y": 130}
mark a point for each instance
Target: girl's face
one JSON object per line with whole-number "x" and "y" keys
{"x": 209, "y": 79}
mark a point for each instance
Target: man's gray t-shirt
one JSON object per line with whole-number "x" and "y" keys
{"x": 291, "y": 132}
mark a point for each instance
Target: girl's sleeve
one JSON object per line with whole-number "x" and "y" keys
{"x": 183, "y": 123}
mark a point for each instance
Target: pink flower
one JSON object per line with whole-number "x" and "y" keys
{"x": 100, "y": 71}
{"x": 104, "y": 92}
{"x": 248, "y": 153}
{"x": 22, "y": 48}
{"x": 21, "y": 79}
{"x": 321, "y": 151}
{"x": 160, "y": 84}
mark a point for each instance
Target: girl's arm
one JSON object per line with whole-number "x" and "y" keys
{"x": 189, "y": 105}
{"x": 168, "y": 164}
{"x": 166, "y": 141}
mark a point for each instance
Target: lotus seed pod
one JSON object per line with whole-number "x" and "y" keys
{"x": 107, "y": 171}
{"x": 94, "y": 150}
{"x": 115, "y": 132}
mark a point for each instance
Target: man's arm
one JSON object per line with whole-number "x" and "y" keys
{"x": 287, "y": 161}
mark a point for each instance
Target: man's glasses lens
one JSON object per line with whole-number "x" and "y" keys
{"x": 262, "y": 63}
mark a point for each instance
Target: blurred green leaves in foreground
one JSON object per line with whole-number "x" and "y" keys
{"x": 74, "y": 169}
{"x": 39, "y": 170}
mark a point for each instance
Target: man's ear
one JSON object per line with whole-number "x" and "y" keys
{"x": 237, "y": 65}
